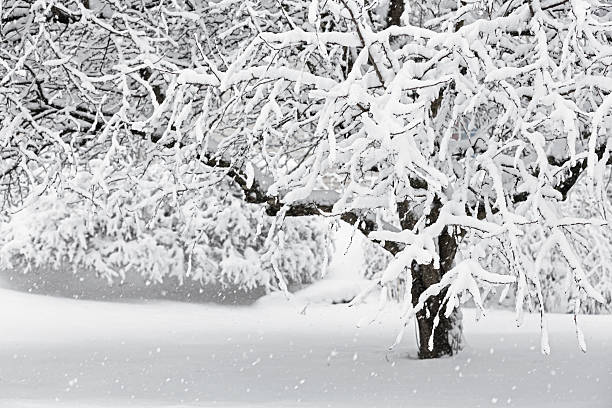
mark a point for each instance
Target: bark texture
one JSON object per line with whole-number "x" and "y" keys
{"x": 445, "y": 338}
{"x": 396, "y": 9}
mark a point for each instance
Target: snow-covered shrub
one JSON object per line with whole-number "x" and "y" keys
{"x": 375, "y": 257}
{"x": 127, "y": 221}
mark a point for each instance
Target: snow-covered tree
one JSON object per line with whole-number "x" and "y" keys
{"x": 443, "y": 130}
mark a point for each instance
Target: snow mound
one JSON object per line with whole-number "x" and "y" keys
{"x": 332, "y": 291}
{"x": 327, "y": 291}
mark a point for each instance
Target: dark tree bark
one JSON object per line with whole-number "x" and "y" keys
{"x": 396, "y": 9}
{"x": 447, "y": 334}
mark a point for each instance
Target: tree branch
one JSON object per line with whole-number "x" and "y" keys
{"x": 566, "y": 183}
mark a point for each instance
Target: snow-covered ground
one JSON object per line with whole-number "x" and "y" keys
{"x": 73, "y": 353}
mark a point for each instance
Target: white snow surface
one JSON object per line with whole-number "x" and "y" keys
{"x": 73, "y": 353}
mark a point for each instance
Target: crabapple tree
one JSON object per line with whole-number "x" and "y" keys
{"x": 443, "y": 130}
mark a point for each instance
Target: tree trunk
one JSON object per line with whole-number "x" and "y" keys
{"x": 396, "y": 9}
{"x": 447, "y": 333}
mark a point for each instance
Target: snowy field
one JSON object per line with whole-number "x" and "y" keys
{"x": 73, "y": 353}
